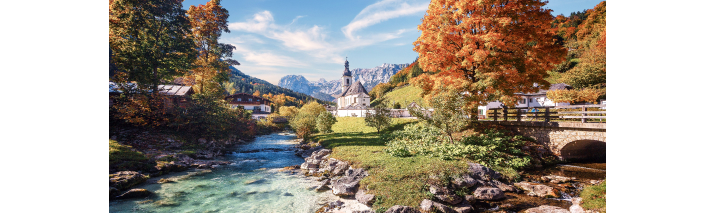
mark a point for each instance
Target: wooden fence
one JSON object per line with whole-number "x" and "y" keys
{"x": 553, "y": 113}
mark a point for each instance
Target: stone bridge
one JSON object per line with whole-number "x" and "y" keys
{"x": 565, "y": 139}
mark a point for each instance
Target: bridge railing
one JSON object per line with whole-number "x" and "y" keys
{"x": 582, "y": 113}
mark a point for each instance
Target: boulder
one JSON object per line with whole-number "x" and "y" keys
{"x": 538, "y": 190}
{"x": 308, "y": 152}
{"x": 449, "y": 198}
{"x": 481, "y": 172}
{"x": 335, "y": 204}
{"x": 363, "y": 211}
{"x": 114, "y": 192}
{"x": 430, "y": 206}
{"x": 546, "y": 209}
{"x": 504, "y": 187}
{"x": 557, "y": 179}
{"x": 401, "y": 209}
{"x": 335, "y": 167}
{"x": 126, "y": 179}
{"x": 322, "y": 185}
{"x": 134, "y": 193}
{"x": 348, "y": 184}
{"x": 470, "y": 199}
{"x": 464, "y": 207}
{"x": 364, "y": 198}
{"x": 488, "y": 193}
{"x": 576, "y": 208}
{"x": 464, "y": 181}
{"x": 170, "y": 167}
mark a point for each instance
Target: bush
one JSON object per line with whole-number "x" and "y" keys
{"x": 304, "y": 122}
{"x": 325, "y": 122}
{"x": 209, "y": 117}
{"x": 288, "y": 112}
{"x": 493, "y": 149}
{"x": 123, "y": 157}
{"x": 381, "y": 118}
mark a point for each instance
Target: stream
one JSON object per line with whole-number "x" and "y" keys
{"x": 253, "y": 182}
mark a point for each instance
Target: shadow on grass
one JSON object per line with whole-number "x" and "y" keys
{"x": 332, "y": 140}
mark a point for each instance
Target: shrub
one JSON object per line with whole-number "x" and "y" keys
{"x": 493, "y": 149}
{"x": 288, "y": 112}
{"x": 304, "y": 122}
{"x": 448, "y": 115}
{"x": 325, "y": 121}
{"x": 381, "y": 118}
{"x": 123, "y": 157}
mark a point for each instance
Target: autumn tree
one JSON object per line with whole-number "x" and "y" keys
{"x": 211, "y": 67}
{"x": 497, "y": 48}
{"x": 149, "y": 42}
{"x": 590, "y": 71}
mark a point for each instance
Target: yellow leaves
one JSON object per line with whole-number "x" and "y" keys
{"x": 576, "y": 95}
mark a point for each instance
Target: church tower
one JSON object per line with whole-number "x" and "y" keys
{"x": 346, "y": 79}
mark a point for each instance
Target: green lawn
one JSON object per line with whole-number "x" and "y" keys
{"x": 593, "y": 197}
{"x": 394, "y": 180}
{"x": 404, "y": 96}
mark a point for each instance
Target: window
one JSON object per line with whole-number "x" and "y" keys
{"x": 239, "y": 99}
{"x": 256, "y": 108}
{"x": 355, "y": 100}
{"x": 530, "y": 100}
{"x": 347, "y": 81}
{"x": 481, "y": 112}
{"x": 522, "y": 101}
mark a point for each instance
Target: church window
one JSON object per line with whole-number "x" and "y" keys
{"x": 355, "y": 100}
{"x": 347, "y": 81}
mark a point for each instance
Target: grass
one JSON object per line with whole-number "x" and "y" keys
{"x": 404, "y": 96}
{"x": 122, "y": 157}
{"x": 593, "y": 197}
{"x": 393, "y": 180}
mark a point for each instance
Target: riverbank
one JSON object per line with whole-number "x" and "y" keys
{"x": 261, "y": 177}
{"x": 407, "y": 181}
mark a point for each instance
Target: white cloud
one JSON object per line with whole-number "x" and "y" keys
{"x": 379, "y": 12}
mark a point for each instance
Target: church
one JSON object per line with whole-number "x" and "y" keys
{"x": 353, "y": 96}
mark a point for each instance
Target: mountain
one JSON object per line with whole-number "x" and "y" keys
{"x": 248, "y": 84}
{"x": 327, "y": 90}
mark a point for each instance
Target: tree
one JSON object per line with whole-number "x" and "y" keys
{"x": 447, "y": 114}
{"x": 380, "y": 119}
{"x": 229, "y": 87}
{"x": 325, "y": 121}
{"x": 208, "y": 23}
{"x": 256, "y": 93}
{"x": 288, "y": 112}
{"x": 304, "y": 122}
{"x": 497, "y": 48}
{"x": 149, "y": 41}
{"x": 589, "y": 95}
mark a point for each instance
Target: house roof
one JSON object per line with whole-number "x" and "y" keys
{"x": 560, "y": 86}
{"x": 162, "y": 89}
{"x": 355, "y": 88}
{"x": 245, "y": 94}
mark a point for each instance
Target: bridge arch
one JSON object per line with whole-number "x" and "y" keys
{"x": 584, "y": 150}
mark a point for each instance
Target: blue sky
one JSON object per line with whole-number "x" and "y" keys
{"x": 312, "y": 38}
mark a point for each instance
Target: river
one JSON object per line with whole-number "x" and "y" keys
{"x": 252, "y": 183}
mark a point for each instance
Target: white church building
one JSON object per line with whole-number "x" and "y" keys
{"x": 354, "y": 99}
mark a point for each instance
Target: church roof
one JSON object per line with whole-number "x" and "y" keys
{"x": 355, "y": 88}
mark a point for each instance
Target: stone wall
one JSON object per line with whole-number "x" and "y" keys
{"x": 555, "y": 135}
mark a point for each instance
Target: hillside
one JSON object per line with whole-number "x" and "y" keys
{"x": 248, "y": 84}
{"x": 323, "y": 89}
{"x": 403, "y": 95}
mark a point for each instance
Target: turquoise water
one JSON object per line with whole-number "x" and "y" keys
{"x": 252, "y": 183}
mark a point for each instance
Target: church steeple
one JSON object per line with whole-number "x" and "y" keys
{"x": 346, "y": 78}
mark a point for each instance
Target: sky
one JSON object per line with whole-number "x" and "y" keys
{"x": 275, "y": 38}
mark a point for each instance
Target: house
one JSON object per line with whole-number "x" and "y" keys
{"x": 176, "y": 95}
{"x": 538, "y": 99}
{"x": 354, "y": 99}
{"x": 260, "y": 106}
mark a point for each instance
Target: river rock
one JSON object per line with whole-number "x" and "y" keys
{"x": 464, "y": 181}
{"x": 134, "y": 193}
{"x": 348, "y": 184}
{"x": 322, "y": 184}
{"x": 401, "y": 209}
{"x": 546, "y": 209}
{"x": 334, "y": 167}
{"x": 307, "y": 152}
{"x": 430, "y": 206}
{"x": 504, "y": 187}
{"x": 557, "y": 179}
{"x": 172, "y": 166}
{"x": 449, "y": 198}
{"x": 114, "y": 192}
{"x": 470, "y": 199}
{"x": 488, "y": 193}
{"x": 481, "y": 172}
{"x": 126, "y": 179}
{"x": 364, "y": 198}
{"x": 538, "y": 190}
{"x": 464, "y": 207}
{"x": 576, "y": 208}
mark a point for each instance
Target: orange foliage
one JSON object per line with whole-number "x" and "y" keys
{"x": 490, "y": 49}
